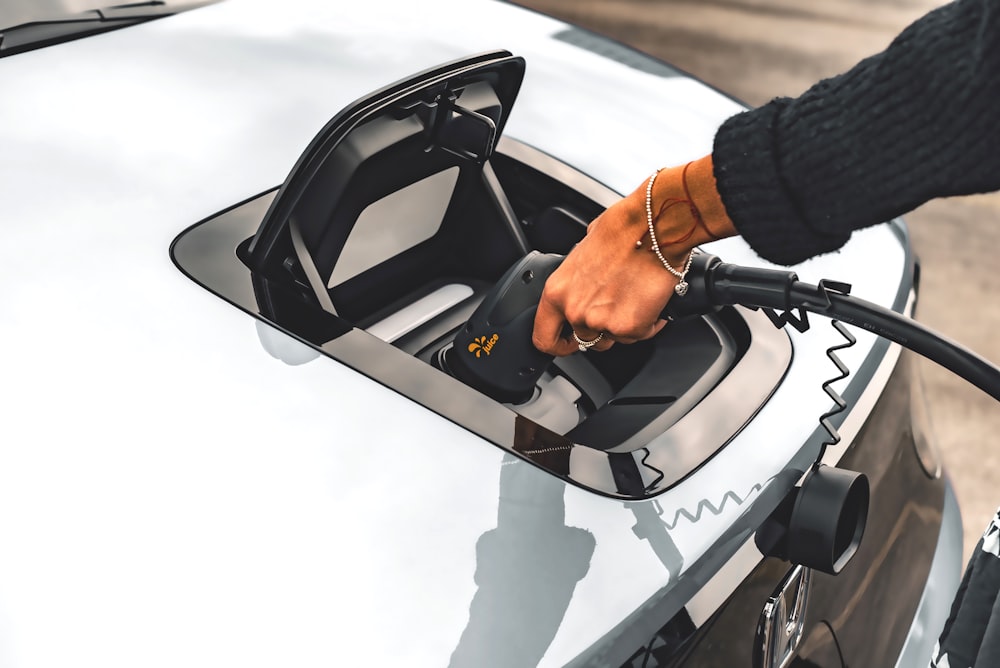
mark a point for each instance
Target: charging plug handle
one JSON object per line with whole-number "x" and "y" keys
{"x": 493, "y": 352}
{"x": 713, "y": 284}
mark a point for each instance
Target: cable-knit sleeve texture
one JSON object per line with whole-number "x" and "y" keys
{"x": 919, "y": 120}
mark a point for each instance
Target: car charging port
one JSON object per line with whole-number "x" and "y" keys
{"x": 388, "y": 248}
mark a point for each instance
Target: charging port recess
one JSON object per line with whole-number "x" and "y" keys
{"x": 392, "y": 226}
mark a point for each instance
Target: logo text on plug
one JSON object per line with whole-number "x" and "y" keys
{"x": 481, "y": 344}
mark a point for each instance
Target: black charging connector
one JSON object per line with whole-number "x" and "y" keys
{"x": 493, "y": 352}
{"x": 508, "y": 371}
{"x": 713, "y": 284}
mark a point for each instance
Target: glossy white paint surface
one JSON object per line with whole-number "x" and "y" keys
{"x": 170, "y": 493}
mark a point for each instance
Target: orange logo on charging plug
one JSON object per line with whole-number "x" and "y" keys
{"x": 481, "y": 344}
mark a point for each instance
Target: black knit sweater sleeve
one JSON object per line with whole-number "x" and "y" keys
{"x": 919, "y": 120}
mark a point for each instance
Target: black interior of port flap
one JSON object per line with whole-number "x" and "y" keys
{"x": 446, "y": 119}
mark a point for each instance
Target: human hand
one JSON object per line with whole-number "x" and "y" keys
{"x": 609, "y": 286}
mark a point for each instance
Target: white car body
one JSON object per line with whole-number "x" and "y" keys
{"x": 171, "y": 494}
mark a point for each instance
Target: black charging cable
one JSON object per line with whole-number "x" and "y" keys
{"x": 821, "y": 522}
{"x": 713, "y": 284}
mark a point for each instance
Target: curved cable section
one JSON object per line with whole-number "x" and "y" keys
{"x": 819, "y": 299}
{"x": 839, "y": 404}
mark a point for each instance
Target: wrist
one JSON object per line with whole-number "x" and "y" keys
{"x": 687, "y": 210}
